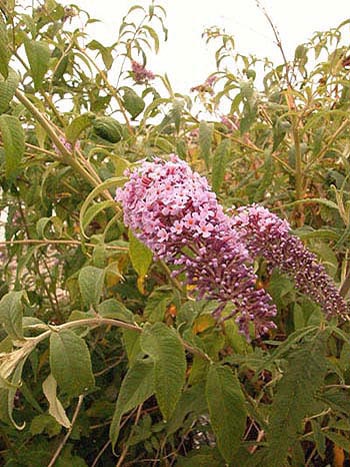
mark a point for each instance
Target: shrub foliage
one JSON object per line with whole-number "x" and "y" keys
{"x": 105, "y": 357}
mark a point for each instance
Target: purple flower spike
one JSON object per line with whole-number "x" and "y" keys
{"x": 264, "y": 234}
{"x": 173, "y": 211}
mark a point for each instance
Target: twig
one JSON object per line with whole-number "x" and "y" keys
{"x": 97, "y": 458}
{"x": 65, "y": 439}
{"x": 35, "y": 241}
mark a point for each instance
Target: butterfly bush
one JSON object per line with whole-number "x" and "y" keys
{"x": 266, "y": 235}
{"x": 173, "y": 211}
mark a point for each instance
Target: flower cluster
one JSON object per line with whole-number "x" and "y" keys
{"x": 141, "y": 75}
{"x": 266, "y": 235}
{"x": 173, "y": 211}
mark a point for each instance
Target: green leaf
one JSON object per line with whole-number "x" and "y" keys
{"x": 111, "y": 308}
{"x": 91, "y": 281}
{"x": 55, "y": 407}
{"x": 4, "y": 49}
{"x": 137, "y": 386}
{"x": 16, "y": 381}
{"x": 95, "y": 209}
{"x": 157, "y": 304}
{"x": 338, "y": 440}
{"x": 140, "y": 255}
{"x": 78, "y": 125}
{"x": 192, "y": 401}
{"x": 45, "y": 423}
{"x": 105, "y": 52}
{"x": 7, "y": 90}
{"x": 205, "y": 456}
{"x": 133, "y": 103}
{"x": 39, "y": 55}
{"x": 206, "y": 131}
{"x": 295, "y": 394}
{"x": 132, "y": 345}
{"x": 11, "y": 314}
{"x": 107, "y": 184}
{"x": 219, "y": 164}
{"x": 70, "y": 363}
{"x": 13, "y": 140}
{"x": 163, "y": 345}
{"x": 226, "y": 409}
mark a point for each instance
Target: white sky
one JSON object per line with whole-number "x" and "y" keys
{"x": 185, "y": 57}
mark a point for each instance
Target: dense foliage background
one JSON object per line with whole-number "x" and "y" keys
{"x": 105, "y": 359}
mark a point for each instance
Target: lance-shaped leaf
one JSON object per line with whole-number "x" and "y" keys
{"x": 78, "y": 125}
{"x": 91, "y": 284}
{"x": 11, "y": 314}
{"x": 38, "y": 54}
{"x": 133, "y": 103}
{"x": 141, "y": 257}
{"x": 226, "y": 408}
{"x": 206, "y": 131}
{"x": 4, "y": 49}
{"x": 13, "y": 140}
{"x": 55, "y": 406}
{"x": 71, "y": 363}
{"x": 219, "y": 164}
{"x": 294, "y": 398}
{"x": 163, "y": 345}
{"x": 137, "y": 386}
{"x": 8, "y": 87}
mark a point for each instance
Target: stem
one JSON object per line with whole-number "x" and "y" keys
{"x": 67, "y": 156}
{"x": 111, "y": 89}
{"x": 31, "y": 241}
{"x": 98, "y": 321}
{"x": 65, "y": 439}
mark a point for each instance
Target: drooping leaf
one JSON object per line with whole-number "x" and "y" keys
{"x": 55, "y": 406}
{"x": 132, "y": 345}
{"x": 78, "y": 125}
{"x": 163, "y": 345}
{"x": 206, "y": 131}
{"x": 133, "y": 103}
{"x": 91, "y": 284}
{"x": 105, "y": 52}
{"x": 13, "y": 140}
{"x": 226, "y": 409}
{"x": 70, "y": 363}
{"x": 11, "y": 314}
{"x": 220, "y": 160}
{"x": 4, "y": 49}
{"x": 137, "y": 386}
{"x": 140, "y": 255}
{"x": 38, "y": 54}
{"x": 295, "y": 393}
{"x": 8, "y": 87}
{"x": 111, "y": 308}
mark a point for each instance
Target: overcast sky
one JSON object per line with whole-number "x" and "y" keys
{"x": 185, "y": 57}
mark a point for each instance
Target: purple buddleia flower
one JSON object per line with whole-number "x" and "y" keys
{"x": 173, "y": 211}
{"x": 141, "y": 75}
{"x": 266, "y": 235}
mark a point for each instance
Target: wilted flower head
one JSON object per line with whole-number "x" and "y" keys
{"x": 172, "y": 210}
{"x": 265, "y": 234}
{"x": 141, "y": 75}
